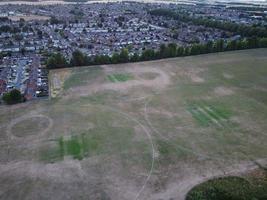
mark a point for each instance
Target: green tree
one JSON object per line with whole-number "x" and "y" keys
{"x": 172, "y": 50}
{"x": 263, "y": 42}
{"x": 180, "y": 51}
{"x": 124, "y": 55}
{"x": 135, "y": 58}
{"x": 163, "y": 52}
{"x": 148, "y": 54}
{"x": 219, "y": 45}
{"x": 56, "y": 60}
{"x": 79, "y": 59}
{"x": 115, "y": 58}
{"x": 12, "y": 97}
{"x": 102, "y": 59}
{"x": 209, "y": 47}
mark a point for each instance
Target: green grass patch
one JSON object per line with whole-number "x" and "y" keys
{"x": 207, "y": 115}
{"x": 81, "y": 77}
{"x": 112, "y": 78}
{"x": 229, "y": 188}
{"x": 198, "y": 116}
{"x": 80, "y": 146}
{"x": 119, "y": 77}
{"x": 92, "y": 142}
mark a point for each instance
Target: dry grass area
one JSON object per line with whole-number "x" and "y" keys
{"x": 57, "y": 81}
{"x": 29, "y": 17}
{"x": 148, "y": 130}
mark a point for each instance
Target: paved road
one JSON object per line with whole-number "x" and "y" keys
{"x": 20, "y": 71}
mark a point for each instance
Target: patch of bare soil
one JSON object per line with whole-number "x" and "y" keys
{"x": 166, "y": 113}
{"x": 228, "y": 76}
{"x": 223, "y": 91}
{"x": 193, "y": 74}
{"x": 261, "y": 88}
{"x": 29, "y": 17}
{"x": 148, "y": 76}
{"x": 247, "y": 124}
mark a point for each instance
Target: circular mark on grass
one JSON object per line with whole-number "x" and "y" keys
{"x": 148, "y": 75}
{"x": 27, "y": 126}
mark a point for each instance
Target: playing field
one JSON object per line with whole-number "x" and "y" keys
{"x": 149, "y": 130}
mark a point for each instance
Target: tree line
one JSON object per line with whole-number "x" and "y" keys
{"x": 57, "y": 60}
{"x": 240, "y": 29}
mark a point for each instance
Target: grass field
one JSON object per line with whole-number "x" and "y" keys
{"x": 148, "y": 130}
{"x": 119, "y": 77}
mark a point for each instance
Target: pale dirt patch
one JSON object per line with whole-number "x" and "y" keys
{"x": 161, "y": 111}
{"x": 192, "y": 74}
{"x": 67, "y": 170}
{"x": 29, "y": 17}
{"x": 262, "y": 163}
{"x": 228, "y": 76}
{"x": 223, "y": 91}
{"x": 247, "y": 124}
{"x": 88, "y": 126}
{"x": 148, "y": 76}
{"x": 263, "y": 89}
{"x": 57, "y": 79}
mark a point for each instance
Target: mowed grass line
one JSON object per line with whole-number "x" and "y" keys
{"x": 112, "y": 78}
{"x": 207, "y": 115}
{"x": 119, "y": 77}
{"x": 212, "y": 113}
{"x": 211, "y": 117}
{"x": 78, "y": 147}
{"x": 101, "y": 140}
{"x": 200, "y": 118}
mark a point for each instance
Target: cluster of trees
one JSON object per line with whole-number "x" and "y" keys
{"x": 9, "y": 29}
{"x": 4, "y": 19}
{"x": 247, "y": 8}
{"x": 243, "y": 30}
{"x": 54, "y": 20}
{"x": 15, "y": 29}
{"x": 13, "y": 97}
{"x": 165, "y": 51}
{"x": 78, "y": 58}
{"x": 56, "y": 60}
{"x": 77, "y": 12}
